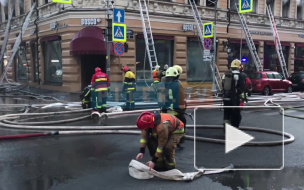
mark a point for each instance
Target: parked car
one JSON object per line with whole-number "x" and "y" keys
{"x": 268, "y": 82}
{"x": 297, "y": 80}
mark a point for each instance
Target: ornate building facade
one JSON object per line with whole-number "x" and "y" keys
{"x": 68, "y": 40}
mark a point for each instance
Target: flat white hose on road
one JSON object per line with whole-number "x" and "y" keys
{"x": 139, "y": 170}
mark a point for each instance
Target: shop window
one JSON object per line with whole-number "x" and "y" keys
{"x": 21, "y": 7}
{"x": 285, "y": 8}
{"x": 198, "y": 69}
{"x": 249, "y": 64}
{"x": 164, "y": 54}
{"x": 299, "y": 10}
{"x": 271, "y": 3}
{"x": 52, "y": 62}
{"x": 34, "y": 58}
{"x": 21, "y": 64}
{"x": 299, "y": 58}
{"x": 271, "y": 61}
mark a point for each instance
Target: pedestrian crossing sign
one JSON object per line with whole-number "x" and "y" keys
{"x": 119, "y": 32}
{"x": 208, "y": 30}
{"x": 245, "y": 6}
{"x": 63, "y": 1}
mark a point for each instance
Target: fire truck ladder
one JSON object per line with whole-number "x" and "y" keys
{"x": 199, "y": 26}
{"x": 147, "y": 31}
{"x": 7, "y": 31}
{"x": 250, "y": 43}
{"x": 277, "y": 42}
{"x": 18, "y": 41}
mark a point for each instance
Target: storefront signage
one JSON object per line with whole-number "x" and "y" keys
{"x": 56, "y": 26}
{"x": 261, "y": 33}
{"x": 90, "y": 21}
{"x": 130, "y": 34}
{"x": 188, "y": 27}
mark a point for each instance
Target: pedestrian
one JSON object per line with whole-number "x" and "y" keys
{"x": 129, "y": 87}
{"x": 100, "y": 87}
{"x": 233, "y": 92}
{"x": 161, "y": 133}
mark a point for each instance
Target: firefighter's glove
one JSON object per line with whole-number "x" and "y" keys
{"x": 139, "y": 156}
{"x": 150, "y": 164}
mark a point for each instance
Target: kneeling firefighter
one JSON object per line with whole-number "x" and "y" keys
{"x": 129, "y": 87}
{"x": 100, "y": 88}
{"x": 233, "y": 93}
{"x": 161, "y": 133}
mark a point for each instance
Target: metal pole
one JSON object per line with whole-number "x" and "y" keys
{"x": 108, "y": 43}
{"x": 241, "y": 44}
{"x": 214, "y": 43}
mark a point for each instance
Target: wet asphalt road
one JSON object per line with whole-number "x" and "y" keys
{"x": 101, "y": 161}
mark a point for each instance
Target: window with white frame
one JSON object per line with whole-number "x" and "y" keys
{"x": 300, "y": 4}
{"x": 271, "y": 3}
{"x": 210, "y": 3}
{"x": 21, "y": 7}
{"x": 285, "y": 8}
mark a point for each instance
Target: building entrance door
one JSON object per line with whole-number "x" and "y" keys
{"x": 88, "y": 65}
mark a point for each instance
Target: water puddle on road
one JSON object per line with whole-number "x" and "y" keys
{"x": 286, "y": 179}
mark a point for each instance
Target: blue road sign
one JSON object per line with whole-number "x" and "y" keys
{"x": 245, "y": 6}
{"x": 119, "y": 32}
{"x": 208, "y": 30}
{"x": 119, "y": 15}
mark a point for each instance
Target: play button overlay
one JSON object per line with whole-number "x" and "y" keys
{"x": 235, "y": 138}
{"x": 248, "y": 147}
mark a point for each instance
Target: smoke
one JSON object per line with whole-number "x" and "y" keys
{"x": 4, "y": 2}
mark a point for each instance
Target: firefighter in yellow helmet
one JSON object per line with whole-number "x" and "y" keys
{"x": 233, "y": 92}
{"x": 129, "y": 87}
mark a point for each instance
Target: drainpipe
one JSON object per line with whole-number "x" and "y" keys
{"x": 227, "y": 30}
{"x": 37, "y": 40}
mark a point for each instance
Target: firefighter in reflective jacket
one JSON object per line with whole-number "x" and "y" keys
{"x": 100, "y": 88}
{"x": 233, "y": 93}
{"x": 161, "y": 133}
{"x": 156, "y": 78}
{"x": 129, "y": 87}
{"x": 85, "y": 97}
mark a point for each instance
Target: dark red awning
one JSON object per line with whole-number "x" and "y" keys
{"x": 89, "y": 40}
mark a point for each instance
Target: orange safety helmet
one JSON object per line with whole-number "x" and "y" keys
{"x": 125, "y": 69}
{"x": 145, "y": 120}
{"x": 97, "y": 69}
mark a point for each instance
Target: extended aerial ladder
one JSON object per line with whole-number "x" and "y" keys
{"x": 199, "y": 26}
{"x": 7, "y": 31}
{"x": 277, "y": 42}
{"x": 249, "y": 41}
{"x": 147, "y": 31}
{"x": 18, "y": 42}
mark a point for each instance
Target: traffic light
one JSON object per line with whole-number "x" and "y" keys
{"x": 109, "y": 27}
{"x": 126, "y": 46}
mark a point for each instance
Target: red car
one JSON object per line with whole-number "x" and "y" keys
{"x": 268, "y": 82}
